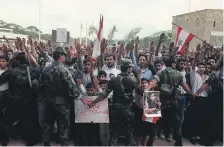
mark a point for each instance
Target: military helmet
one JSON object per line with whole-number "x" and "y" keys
{"x": 58, "y": 52}
{"x": 127, "y": 64}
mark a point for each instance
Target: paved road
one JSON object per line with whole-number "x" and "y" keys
{"x": 158, "y": 142}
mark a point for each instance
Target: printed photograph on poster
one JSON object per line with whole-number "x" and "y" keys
{"x": 151, "y": 104}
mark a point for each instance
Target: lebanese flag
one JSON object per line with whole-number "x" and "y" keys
{"x": 182, "y": 38}
{"x": 150, "y": 119}
{"x": 96, "y": 48}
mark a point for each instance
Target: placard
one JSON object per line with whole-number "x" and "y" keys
{"x": 96, "y": 114}
{"x": 61, "y": 35}
{"x": 151, "y": 104}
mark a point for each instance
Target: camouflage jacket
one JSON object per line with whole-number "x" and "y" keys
{"x": 19, "y": 83}
{"x": 58, "y": 83}
{"x": 123, "y": 87}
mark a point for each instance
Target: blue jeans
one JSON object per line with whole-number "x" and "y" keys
{"x": 182, "y": 103}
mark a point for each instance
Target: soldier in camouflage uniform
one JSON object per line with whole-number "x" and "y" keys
{"x": 121, "y": 112}
{"x": 60, "y": 89}
{"x": 169, "y": 104}
{"x": 21, "y": 108}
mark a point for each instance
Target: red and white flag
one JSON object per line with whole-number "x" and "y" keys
{"x": 96, "y": 48}
{"x": 182, "y": 38}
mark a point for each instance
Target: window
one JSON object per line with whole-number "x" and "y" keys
{"x": 214, "y": 24}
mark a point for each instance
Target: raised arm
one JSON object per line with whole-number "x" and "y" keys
{"x": 161, "y": 38}
{"x": 103, "y": 95}
{"x": 33, "y": 50}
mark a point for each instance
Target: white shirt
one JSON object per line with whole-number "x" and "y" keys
{"x": 196, "y": 83}
{"x": 4, "y": 86}
{"x": 112, "y": 70}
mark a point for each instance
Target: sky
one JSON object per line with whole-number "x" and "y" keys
{"x": 150, "y": 15}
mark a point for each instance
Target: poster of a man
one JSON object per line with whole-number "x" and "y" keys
{"x": 151, "y": 102}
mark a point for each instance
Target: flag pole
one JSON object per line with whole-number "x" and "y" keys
{"x": 80, "y": 36}
{"x": 86, "y": 32}
{"x": 92, "y": 26}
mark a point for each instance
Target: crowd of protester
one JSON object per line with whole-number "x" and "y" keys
{"x": 121, "y": 73}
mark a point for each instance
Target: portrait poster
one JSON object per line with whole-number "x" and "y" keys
{"x": 151, "y": 104}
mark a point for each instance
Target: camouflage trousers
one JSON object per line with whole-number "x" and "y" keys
{"x": 61, "y": 113}
{"x": 121, "y": 122}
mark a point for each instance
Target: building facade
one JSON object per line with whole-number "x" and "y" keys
{"x": 205, "y": 24}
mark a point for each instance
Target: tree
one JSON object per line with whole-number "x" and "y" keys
{"x": 32, "y": 29}
{"x": 111, "y": 34}
{"x": 92, "y": 30}
{"x": 132, "y": 34}
{"x": 144, "y": 42}
{"x": 12, "y": 26}
{"x": 2, "y": 23}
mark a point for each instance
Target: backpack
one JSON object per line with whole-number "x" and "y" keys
{"x": 21, "y": 79}
{"x": 169, "y": 92}
{"x": 166, "y": 89}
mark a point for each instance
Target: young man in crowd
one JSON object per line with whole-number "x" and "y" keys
{"x": 181, "y": 66}
{"x": 197, "y": 110}
{"x": 84, "y": 74}
{"x": 102, "y": 75}
{"x": 214, "y": 123}
{"x": 110, "y": 66}
{"x": 4, "y": 138}
{"x": 144, "y": 131}
{"x": 188, "y": 66}
{"x": 178, "y": 56}
{"x": 142, "y": 62}
{"x": 90, "y": 131}
{"x": 212, "y": 61}
{"x": 158, "y": 64}
{"x": 208, "y": 68}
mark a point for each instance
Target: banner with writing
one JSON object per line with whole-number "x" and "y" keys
{"x": 96, "y": 114}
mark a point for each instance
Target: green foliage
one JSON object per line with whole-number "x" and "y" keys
{"x": 92, "y": 30}
{"x": 132, "y": 34}
{"x": 144, "y": 42}
{"x": 111, "y": 34}
{"x": 30, "y": 31}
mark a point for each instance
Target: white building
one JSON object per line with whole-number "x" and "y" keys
{"x": 8, "y": 33}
